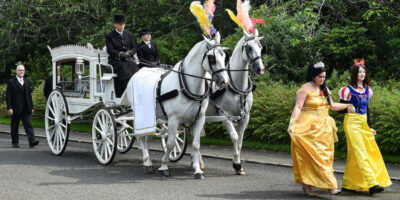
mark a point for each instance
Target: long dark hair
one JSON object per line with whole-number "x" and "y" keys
{"x": 315, "y": 70}
{"x": 354, "y": 76}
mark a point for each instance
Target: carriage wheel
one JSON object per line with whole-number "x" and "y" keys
{"x": 125, "y": 140}
{"x": 104, "y": 136}
{"x": 181, "y": 141}
{"x": 56, "y": 122}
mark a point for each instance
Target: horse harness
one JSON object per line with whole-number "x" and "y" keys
{"x": 183, "y": 83}
{"x": 242, "y": 93}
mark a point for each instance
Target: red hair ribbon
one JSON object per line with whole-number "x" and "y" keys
{"x": 322, "y": 93}
{"x": 255, "y": 21}
{"x": 356, "y": 63}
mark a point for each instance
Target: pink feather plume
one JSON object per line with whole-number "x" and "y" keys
{"x": 243, "y": 14}
{"x": 209, "y": 7}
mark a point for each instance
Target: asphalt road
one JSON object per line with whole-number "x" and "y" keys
{"x": 36, "y": 174}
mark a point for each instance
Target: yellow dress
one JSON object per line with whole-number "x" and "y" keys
{"x": 364, "y": 164}
{"x": 312, "y": 146}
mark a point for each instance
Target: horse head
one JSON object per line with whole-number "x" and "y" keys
{"x": 252, "y": 51}
{"x": 215, "y": 64}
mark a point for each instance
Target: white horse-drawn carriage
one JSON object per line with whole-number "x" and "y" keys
{"x": 184, "y": 112}
{"x": 84, "y": 82}
{"x": 181, "y": 96}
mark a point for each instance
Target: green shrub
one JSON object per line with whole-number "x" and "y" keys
{"x": 3, "y": 103}
{"x": 274, "y": 102}
{"x": 3, "y": 88}
{"x": 39, "y": 101}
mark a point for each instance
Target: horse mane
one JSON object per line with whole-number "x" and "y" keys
{"x": 238, "y": 47}
{"x": 195, "y": 49}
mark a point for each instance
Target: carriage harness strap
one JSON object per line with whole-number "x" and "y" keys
{"x": 243, "y": 93}
{"x": 183, "y": 83}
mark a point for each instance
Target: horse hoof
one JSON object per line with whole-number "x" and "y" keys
{"x": 240, "y": 172}
{"x": 149, "y": 170}
{"x": 199, "y": 176}
{"x": 202, "y": 165}
{"x": 164, "y": 173}
{"x": 237, "y": 166}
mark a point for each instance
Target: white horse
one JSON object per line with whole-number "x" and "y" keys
{"x": 235, "y": 102}
{"x": 190, "y": 78}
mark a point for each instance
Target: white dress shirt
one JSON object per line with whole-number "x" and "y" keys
{"x": 21, "y": 80}
{"x": 148, "y": 44}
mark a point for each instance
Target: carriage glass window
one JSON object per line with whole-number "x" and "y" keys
{"x": 74, "y": 79}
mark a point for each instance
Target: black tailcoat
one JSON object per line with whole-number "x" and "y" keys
{"x": 146, "y": 54}
{"x": 115, "y": 44}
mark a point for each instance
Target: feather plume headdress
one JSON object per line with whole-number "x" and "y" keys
{"x": 242, "y": 19}
{"x": 204, "y": 15}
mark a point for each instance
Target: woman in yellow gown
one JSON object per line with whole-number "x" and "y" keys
{"x": 313, "y": 133}
{"x": 365, "y": 169}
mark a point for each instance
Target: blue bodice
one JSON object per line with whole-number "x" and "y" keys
{"x": 359, "y": 100}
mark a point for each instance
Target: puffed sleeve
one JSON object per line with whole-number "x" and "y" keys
{"x": 344, "y": 94}
{"x": 370, "y": 92}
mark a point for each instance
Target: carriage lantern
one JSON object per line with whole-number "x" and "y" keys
{"x": 79, "y": 67}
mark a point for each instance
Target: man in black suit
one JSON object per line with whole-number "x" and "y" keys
{"x": 121, "y": 48}
{"x": 20, "y": 106}
{"x": 147, "y": 51}
{"x": 48, "y": 83}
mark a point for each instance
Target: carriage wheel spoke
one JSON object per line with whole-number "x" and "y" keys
{"x": 103, "y": 152}
{"x": 97, "y": 129}
{"x": 56, "y": 140}
{"x": 125, "y": 141}
{"x": 109, "y": 148}
{"x": 50, "y": 127}
{"x": 174, "y": 151}
{"x": 107, "y": 151}
{"x": 52, "y": 119}
{"x": 61, "y": 133}
{"x": 52, "y": 134}
{"x": 61, "y": 138}
{"x": 63, "y": 125}
{"x": 51, "y": 109}
{"x": 109, "y": 141}
{"x": 99, "y": 148}
{"x": 179, "y": 139}
{"x": 177, "y": 146}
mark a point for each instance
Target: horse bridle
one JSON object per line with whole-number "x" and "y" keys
{"x": 212, "y": 59}
{"x": 232, "y": 86}
{"x": 182, "y": 80}
{"x": 247, "y": 49}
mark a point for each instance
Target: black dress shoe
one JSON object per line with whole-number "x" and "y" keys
{"x": 375, "y": 189}
{"x": 33, "y": 144}
{"x": 348, "y": 190}
{"x": 15, "y": 145}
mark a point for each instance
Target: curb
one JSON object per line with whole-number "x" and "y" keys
{"x": 210, "y": 156}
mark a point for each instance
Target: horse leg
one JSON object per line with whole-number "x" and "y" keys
{"x": 147, "y": 164}
{"x": 172, "y": 128}
{"x": 202, "y": 165}
{"x": 196, "y": 156}
{"x": 240, "y": 130}
{"x": 236, "y": 152}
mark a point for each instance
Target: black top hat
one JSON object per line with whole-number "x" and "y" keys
{"x": 145, "y": 31}
{"x": 119, "y": 19}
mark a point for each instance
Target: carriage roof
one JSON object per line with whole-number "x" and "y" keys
{"x": 71, "y": 52}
